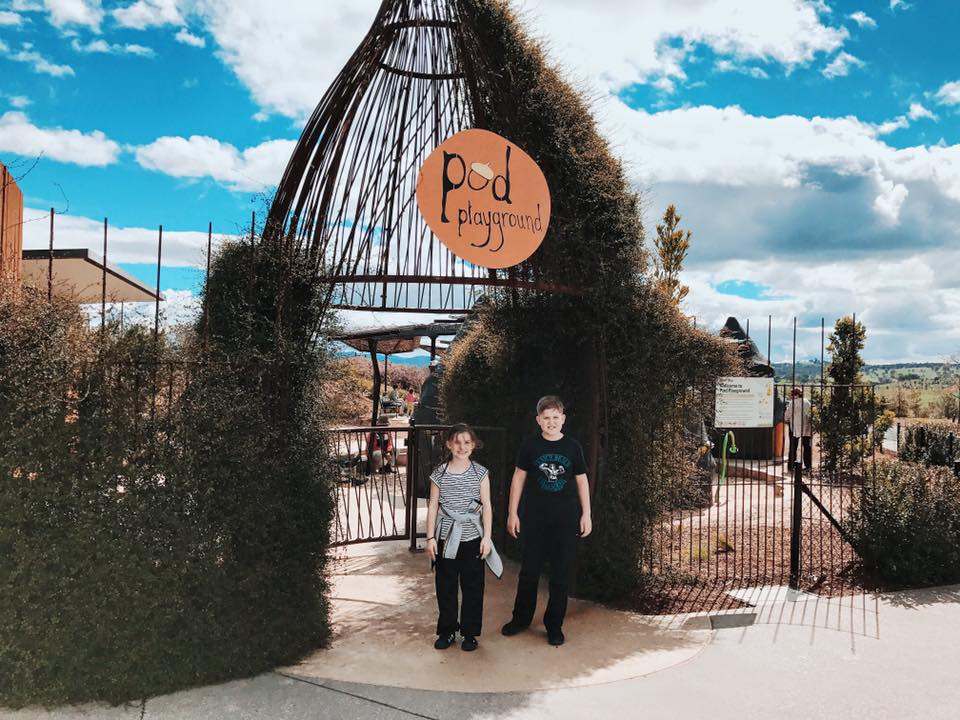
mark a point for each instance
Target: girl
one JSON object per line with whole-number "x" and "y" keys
{"x": 457, "y": 542}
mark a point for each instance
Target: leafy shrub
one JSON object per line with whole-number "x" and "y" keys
{"x": 906, "y": 524}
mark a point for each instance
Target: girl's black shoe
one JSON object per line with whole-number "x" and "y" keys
{"x": 444, "y": 641}
{"x": 469, "y": 643}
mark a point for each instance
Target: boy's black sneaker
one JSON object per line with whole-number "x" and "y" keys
{"x": 469, "y": 643}
{"x": 512, "y": 628}
{"x": 444, "y": 641}
{"x": 555, "y": 637}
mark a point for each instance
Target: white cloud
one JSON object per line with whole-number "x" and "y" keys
{"x": 187, "y": 38}
{"x": 892, "y": 125}
{"x": 148, "y": 13}
{"x": 862, "y": 19}
{"x": 949, "y": 93}
{"x": 908, "y": 315}
{"x": 8, "y": 18}
{"x": 918, "y": 111}
{"x": 598, "y": 41}
{"x": 3, "y": 47}
{"x": 87, "y": 13}
{"x": 21, "y": 137}
{"x": 316, "y": 40}
{"x": 601, "y": 41}
{"x": 706, "y": 144}
{"x": 727, "y": 147}
{"x": 730, "y": 66}
{"x": 841, "y": 65}
{"x": 102, "y": 46}
{"x": 198, "y": 156}
{"x": 40, "y": 64}
{"x": 127, "y": 244}
{"x": 19, "y": 101}
{"x": 890, "y": 200}
{"x": 895, "y": 4}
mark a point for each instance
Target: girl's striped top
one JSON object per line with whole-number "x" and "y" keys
{"x": 457, "y": 491}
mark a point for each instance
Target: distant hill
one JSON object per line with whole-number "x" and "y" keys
{"x": 809, "y": 372}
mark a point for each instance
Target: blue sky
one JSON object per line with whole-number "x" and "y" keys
{"x": 813, "y": 146}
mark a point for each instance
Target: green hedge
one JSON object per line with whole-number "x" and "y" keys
{"x": 156, "y": 540}
{"x": 935, "y": 444}
{"x": 906, "y": 524}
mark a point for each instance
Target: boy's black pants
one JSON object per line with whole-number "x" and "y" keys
{"x": 467, "y": 569}
{"x": 807, "y": 443}
{"x": 546, "y": 537}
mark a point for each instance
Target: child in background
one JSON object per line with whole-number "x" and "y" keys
{"x": 459, "y": 528}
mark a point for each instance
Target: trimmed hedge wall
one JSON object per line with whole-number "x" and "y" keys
{"x": 153, "y": 540}
{"x": 931, "y": 443}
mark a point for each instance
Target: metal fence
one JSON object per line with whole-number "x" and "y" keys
{"x": 749, "y": 516}
{"x": 382, "y": 475}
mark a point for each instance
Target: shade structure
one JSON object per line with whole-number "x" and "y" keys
{"x": 78, "y": 274}
{"x": 348, "y": 193}
{"x": 393, "y": 339}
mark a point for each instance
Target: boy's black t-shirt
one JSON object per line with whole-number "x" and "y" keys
{"x": 552, "y": 467}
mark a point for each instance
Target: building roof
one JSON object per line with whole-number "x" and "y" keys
{"x": 78, "y": 274}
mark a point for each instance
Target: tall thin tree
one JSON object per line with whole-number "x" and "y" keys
{"x": 672, "y": 244}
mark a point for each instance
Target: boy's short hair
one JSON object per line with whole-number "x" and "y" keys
{"x": 549, "y": 402}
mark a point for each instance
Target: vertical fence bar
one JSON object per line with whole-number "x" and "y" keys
{"x": 50, "y": 262}
{"x": 103, "y": 283}
{"x": 795, "y": 527}
{"x": 156, "y": 302}
{"x": 412, "y": 466}
{"x": 823, "y": 337}
{"x": 206, "y": 285}
{"x": 793, "y": 381}
{"x": 769, "y": 338}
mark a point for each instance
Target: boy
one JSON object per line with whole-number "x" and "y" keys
{"x": 556, "y": 513}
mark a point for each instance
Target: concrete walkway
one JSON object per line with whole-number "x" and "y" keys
{"x": 789, "y": 656}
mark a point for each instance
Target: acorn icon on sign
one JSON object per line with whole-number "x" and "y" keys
{"x": 483, "y": 172}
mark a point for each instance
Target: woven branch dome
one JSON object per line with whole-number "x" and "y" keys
{"x": 348, "y": 193}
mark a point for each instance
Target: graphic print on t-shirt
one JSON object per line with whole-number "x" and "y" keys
{"x": 554, "y": 471}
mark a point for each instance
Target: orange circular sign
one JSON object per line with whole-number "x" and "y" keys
{"x": 485, "y": 198}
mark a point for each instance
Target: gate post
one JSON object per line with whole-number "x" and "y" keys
{"x": 795, "y": 526}
{"x": 413, "y": 465}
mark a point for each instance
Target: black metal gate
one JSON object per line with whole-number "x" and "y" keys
{"x": 760, "y": 516}
{"x": 382, "y": 474}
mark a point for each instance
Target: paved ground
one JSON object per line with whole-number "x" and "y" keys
{"x": 790, "y": 656}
